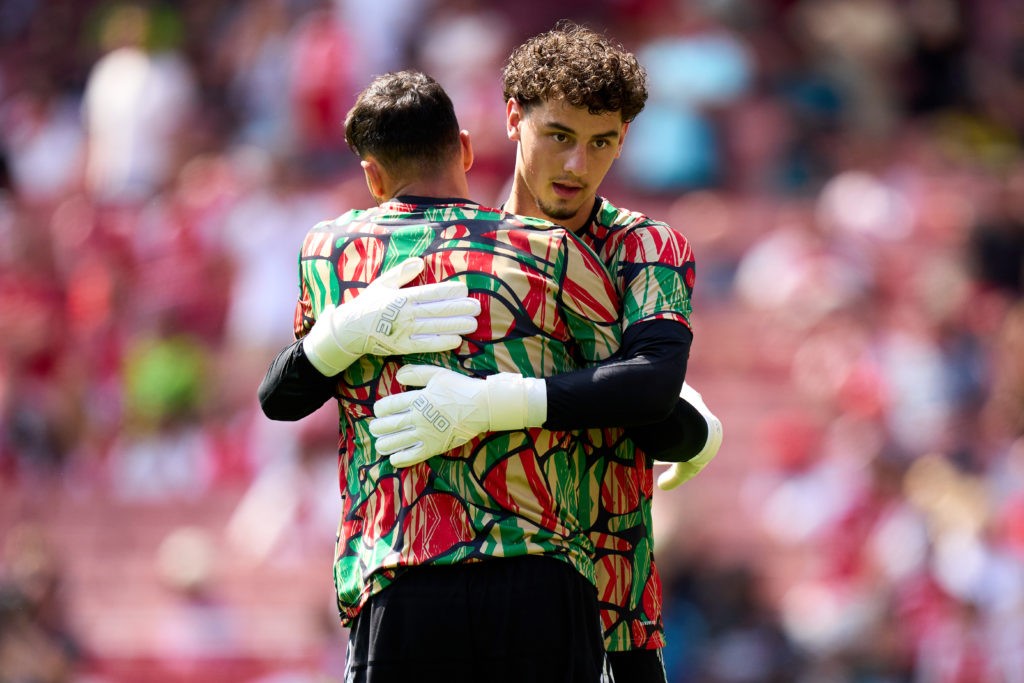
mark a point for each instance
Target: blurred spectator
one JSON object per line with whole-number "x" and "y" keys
{"x": 263, "y": 223}
{"x": 382, "y": 32}
{"x": 137, "y": 107}
{"x": 996, "y": 246}
{"x": 696, "y": 66}
{"x": 199, "y": 626}
{"x": 163, "y": 451}
{"x": 254, "y": 55}
{"x": 321, "y": 60}
{"x": 863, "y": 57}
{"x": 448, "y": 47}
{"x": 724, "y": 630}
{"x": 937, "y": 69}
{"x": 37, "y": 644}
{"x": 44, "y": 142}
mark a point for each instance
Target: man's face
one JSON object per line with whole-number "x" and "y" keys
{"x": 564, "y": 153}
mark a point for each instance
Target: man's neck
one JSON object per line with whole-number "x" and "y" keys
{"x": 441, "y": 187}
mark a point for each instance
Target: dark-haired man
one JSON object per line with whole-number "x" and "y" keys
{"x": 476, "y": 566}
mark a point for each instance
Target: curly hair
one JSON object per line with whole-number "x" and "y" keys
{"x": 573, "y": 63}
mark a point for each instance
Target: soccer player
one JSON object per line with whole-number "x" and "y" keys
{"x": 476, "y": 566}
{"x": 570, "y": 96}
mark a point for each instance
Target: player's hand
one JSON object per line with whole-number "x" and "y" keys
{"x": 386, "y": 319}
{"x": 680, "y": 472}
{"x": 450, "y": 410}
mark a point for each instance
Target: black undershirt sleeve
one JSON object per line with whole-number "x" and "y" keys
{"x": 638, "y": 390}
{"x": 677, "y": 438}
{"x": 639, "y": 386}
{"x": 292, "y": 387}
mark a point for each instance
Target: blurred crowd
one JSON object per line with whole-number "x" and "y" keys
{"x": 851, "y": 176}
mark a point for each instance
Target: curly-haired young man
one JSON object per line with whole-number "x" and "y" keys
{"x": 570, "y": 96}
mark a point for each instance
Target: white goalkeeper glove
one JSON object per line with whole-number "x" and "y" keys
{"x": 385, "y": 319}
{"x": 452, "y": 409}
{"x": 681, "y": 472}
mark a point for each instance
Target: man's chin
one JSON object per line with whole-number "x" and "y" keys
{"x": 559, "y": 211}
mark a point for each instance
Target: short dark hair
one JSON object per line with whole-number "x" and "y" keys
{"x": 404, "y": 119}
{"x": 573, "y": 63}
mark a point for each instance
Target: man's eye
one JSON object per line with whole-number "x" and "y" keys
{"x": 601, "y": 144}
{"x": 559, "y": 137}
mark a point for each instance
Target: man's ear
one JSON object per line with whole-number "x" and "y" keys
{"x": 513, "y": 119}
{"x": 376, "y": 179}
{"x": 467, "y": 150}
{"x": 622, "y": 139}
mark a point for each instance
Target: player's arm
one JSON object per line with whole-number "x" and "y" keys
{"x": 665, "y": 422}
{"x": 653, "y": 357}
{"x": 404, "y": 426}
{"x": 604, "y": 396}
{"x": 639, "y": 386}
{"x": 656, "y": 270}
{"x": 689, "y": 439}
{"x": 384, "y": 319}
{"x": 292, "y": 387}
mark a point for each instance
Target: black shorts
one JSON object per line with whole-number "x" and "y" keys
{"x": 638, "y": 666}
{"x": 515, "y": 620}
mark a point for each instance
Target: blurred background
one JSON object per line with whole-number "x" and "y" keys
{"x": 849, "y": 172}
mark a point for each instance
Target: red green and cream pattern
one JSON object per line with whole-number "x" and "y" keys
{"x": 652, "y": 267}
{"x": 548, "y": 307}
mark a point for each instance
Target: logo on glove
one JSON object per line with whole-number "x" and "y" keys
{"x": 434, "y": 417}
{"x": 389, "y": 315}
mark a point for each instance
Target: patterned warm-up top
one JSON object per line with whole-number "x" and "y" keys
{"x": 652, "y": 267}
{"x": 548, "y": 307}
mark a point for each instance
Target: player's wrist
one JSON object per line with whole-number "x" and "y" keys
{"x": 516, "y": 402}
{"x": 536, "y": 402}
{"x": 322, "y": 348}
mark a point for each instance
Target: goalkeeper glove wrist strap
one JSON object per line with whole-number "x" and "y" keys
{"x": 516, "y": 402}
{"x": 323, "y": 351}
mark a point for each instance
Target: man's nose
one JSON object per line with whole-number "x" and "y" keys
{"x": 576, "y": 160}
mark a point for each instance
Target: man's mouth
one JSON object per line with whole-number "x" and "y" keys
{"x": 564, "y": 191}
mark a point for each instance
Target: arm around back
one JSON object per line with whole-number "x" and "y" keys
{"x": 640, "y": 386}
{"x": 292, "y": 387}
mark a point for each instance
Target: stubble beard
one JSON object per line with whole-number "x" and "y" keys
{"x": 555, "y": 211}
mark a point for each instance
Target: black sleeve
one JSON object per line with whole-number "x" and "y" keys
{"x": 677, "y": 438}
{"x": 639, "y": 386}
{"x": 292, "y": 387}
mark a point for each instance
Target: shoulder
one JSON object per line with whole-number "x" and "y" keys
{"x": 637, "y": 232}
{"x": 615, "y": 219}
{"x": 339, "y": 224}
{"x": 320, "y": 239}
